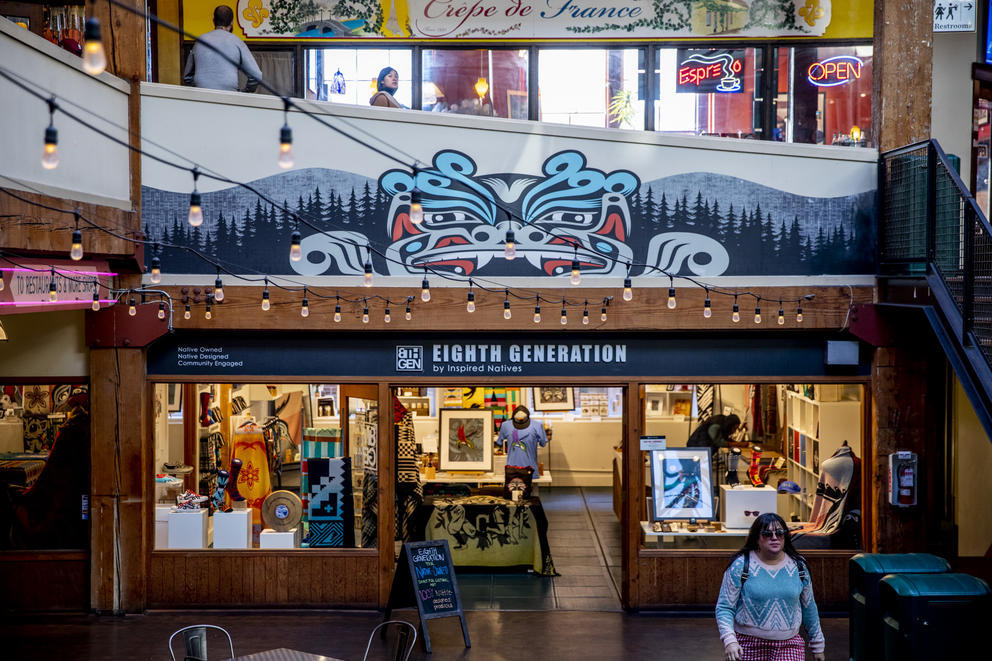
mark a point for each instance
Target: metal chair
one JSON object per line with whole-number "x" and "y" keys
{"x": 195, "y": 638}
{"x": 405, "y": 641}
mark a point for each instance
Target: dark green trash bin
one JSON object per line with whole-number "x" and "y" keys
{"x": 934, "y": 616}
{"x": 865, "y": 572}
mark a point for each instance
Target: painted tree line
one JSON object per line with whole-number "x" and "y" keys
{"x": 257, "y": 238}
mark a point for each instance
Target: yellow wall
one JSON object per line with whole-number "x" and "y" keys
{"x": 44, "y": 344}
{"x": 169, "y": 55}
{"x": 972, "y": 468}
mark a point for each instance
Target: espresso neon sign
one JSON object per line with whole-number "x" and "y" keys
{"x": 709, "y": 71}
{"x": 834, "y": 71}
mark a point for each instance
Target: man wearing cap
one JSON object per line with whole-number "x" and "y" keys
{"x": 523, "y": 437}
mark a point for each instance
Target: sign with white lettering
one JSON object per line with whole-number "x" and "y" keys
{"x": 954, "y": 16}
{"x": 28, "y": 284}
{"x": 649, "y": 443}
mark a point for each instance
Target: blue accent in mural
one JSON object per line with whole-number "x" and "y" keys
{"x": 693, "y": 224}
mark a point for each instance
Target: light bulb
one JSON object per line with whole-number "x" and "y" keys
{"x": 53, "y": 295}
{"x": 628, "y": 291}
{"x": 585, "y": 317}
{"x": 416, "y": 208}
{"x": 96, "y": 302}
{"x": 707, "y": 310}
{"x": 218, "y": 290}
{"x": 425, "y": 291}
{"x": 671, "y": 298}
{"x": 757, "y": 315}
{"x": 537, "y": 314}
{"x": 156, "y": 276}
{"x": 295, "y": 253}
{"x": 576, "y": 277}
{"x": 799, "y": 315}
{"x": 367, "y": 278}
{"x": 781, "y": 317}
{"x": 564, "y": 317}
{"x": 409, "y": 314}
{"x": 470, "y": 306}
{"x": 285, "y": 159}
{"x": 208, "y": 314}
{"x": 50, "y": 154}
{"x": 94, "y": 57}
{"x": 131, "y": 309}
{"x": 337, "y": 313}
{"x": 736, "y": 316}
{"x": 365, "y": 316}
{"x": 510, "y": 248}
{"x": 1, "y": 281}
{"x": 76, "y": 253}
{"x": 195, "y": 209}
{"x": 386, "y": 316}
{"x": 506, "y": 310}
{"x": 187, "y": 314}
{"x": 305, "y": 308}
{"x": 602, "y": 314}
{"x": 265, "y": 299}
{"x": 161, "y": 309}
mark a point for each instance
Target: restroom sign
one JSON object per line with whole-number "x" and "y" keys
{"x": 954, "y": 16}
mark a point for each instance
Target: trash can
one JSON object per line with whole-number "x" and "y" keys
{"x": 865, "y": 572}
{"x": 934, "y": 616}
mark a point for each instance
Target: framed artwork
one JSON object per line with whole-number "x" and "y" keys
{"x": 466, "y": 440}
{"x": 554, "y": 399}
{"x": 516, "y": 103}
{"x": 682, "y": 483}
{"x": 175, "y": 397}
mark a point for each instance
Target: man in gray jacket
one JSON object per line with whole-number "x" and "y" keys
{"x": 207, "y": 67}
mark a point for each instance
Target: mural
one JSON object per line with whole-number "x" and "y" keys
{"x": 692, "y": 224}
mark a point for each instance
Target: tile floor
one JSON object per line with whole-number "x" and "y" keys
{"x": 584, "y": 536}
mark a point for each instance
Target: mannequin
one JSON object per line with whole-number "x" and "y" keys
{"x": 839, "y": 477}
{"x": 522, "y": 437}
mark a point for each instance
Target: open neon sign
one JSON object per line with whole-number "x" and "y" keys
{"x": 834, "y": 71}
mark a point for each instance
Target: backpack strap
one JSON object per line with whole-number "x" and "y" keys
{"x": 747, "y": 567}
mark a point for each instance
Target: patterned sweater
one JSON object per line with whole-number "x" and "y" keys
{"x": 773, "y": 604}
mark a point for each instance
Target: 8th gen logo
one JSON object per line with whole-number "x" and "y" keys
{"x": 409, "y": 359}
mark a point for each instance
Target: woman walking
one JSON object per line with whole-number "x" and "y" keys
{"x": 766, "y": 595}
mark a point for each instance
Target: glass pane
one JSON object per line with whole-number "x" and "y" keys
{"x": 348, "y": 75}
{"x": 591, "y": 87}
{"x": 825, "y": 95}
{"x": 490, "y": 83}
{"x": 725, "y": 104}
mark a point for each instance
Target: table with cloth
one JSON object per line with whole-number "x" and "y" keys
{"x": 488, "y": 531}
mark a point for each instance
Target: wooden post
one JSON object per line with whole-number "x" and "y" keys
{"x": 387, "y": 493}
{"x": 633, "y": 495}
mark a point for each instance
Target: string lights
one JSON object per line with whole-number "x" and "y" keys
{"x": 736, "y": 315}
{"x": 537, "y": 310}
{"x": 94, "y": 57}
{"x": 265, "y": 297}
{"x": 707, "y": 308}
{"x": 305, "y": 305}
{"x": 156, "y": 272}
{"x": 585, "y": 314}
{"x": 76, "y": 251}
{"x": 367, "y": 279}
{"x": 671, "y": 293}
{"x": 507, "y": 314}
{"x": 409, "y": 313}
{"x": 295, "y": 252}
{"x": 95, "y": 306}
{"x": 757, "y": 311}
{"x": 575, "y": 278}
{"x": 131, "y": 309}
{"x": 628, "y": 288}
{"x": 365, "y": 311}
{"x": 564, "y": 313}
{"x": 425, "y": 288}
{"x": 337, "y": 310}
{"x": 53, "y": 294}
{"x": 285, "y": 159}
{"x": 470, "y": 305}
{"x": 188, "y": 313}
{"x": 218, "y": 288}
{"x": 50, "y": 152}
{"x": 207, "y": 314}
{"x": 386, "y": 317}
{"x": 195, "y": 203}
{"x": 161, "y": 309}
{"x": 509, "y": 246}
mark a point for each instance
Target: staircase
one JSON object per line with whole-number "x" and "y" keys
{"x": 932, "y": 228}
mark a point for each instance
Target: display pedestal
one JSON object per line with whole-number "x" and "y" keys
{"x": 188, "y": 530}
{"x": 232, "y": 530}
{"x": 162, "y": 526}
{"x": 272, "y": 539}
{"x": 734, "y": 502}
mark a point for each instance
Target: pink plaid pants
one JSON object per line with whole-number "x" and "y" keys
{"x": 762, "y": 649}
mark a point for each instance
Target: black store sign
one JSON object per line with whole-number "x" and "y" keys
{"x": 482, "y": 355}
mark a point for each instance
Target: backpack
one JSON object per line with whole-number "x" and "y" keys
{"x": 803, "y": 576}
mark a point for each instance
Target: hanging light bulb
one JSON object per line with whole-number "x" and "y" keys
{"x": 507, "y": 314}
{"x": 285, "y": 159}
{"x": 195, "y": 208}
{"x": 387, "y": 317}
{"x": 628, "y": 290}
{"x": 470, "y": 305}
{"x": 585, "y": 315}
{"x": 576, "y": 276}
{"x": 188, "y": 313}
{"x": 76, "y": 252}
{"x": 131, "y": 309}
{"x": 537, "y": 311}
{"x": 365, "y": 313}
{"x": 510, "y": 246}
{"x": 707, "y": 309}
{"x": 295, "y": 253}
{"x": 94, "y": 57}
{"x": 161, "y": 309}
{"x": 757, "y": 314}
{"x": 671, "y": 294}
{"x": 218, "y": 288}
{"x": 50, "y": 154}
{"x": 481, "y": 86}
{"x": 799, "y": 313}
{"x": 367, "y": 278}
{"x": 416, "y": 208}
{"x": 409, "y": 313}
{"x": 156, "y": 275}
{"x": 337, "y": 312}
{"x": 53, "y": 295}
{"x": 736, "y": 316}
{"x": 96, "y": 302}
{"x": 207, "y": 314}
{"x": 425, "y": 289}
{"x": 781, "y": 314}
{"x": 564, "y": 313}
{"x": 305, "y": 305}
{"x": 265, "y": 297}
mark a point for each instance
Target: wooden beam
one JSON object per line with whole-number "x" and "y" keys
{"x": 633, "y": 489}
{"x": 387, "y": 493}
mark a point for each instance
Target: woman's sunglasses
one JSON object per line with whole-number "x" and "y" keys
{"x": 778, "y": 532}
{"x": 750, "y": 513}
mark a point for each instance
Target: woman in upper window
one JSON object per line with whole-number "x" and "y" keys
{"x": 386, "y": 84}
{"x": 766, "y": 595}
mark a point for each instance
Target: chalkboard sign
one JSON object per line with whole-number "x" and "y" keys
{"x": 425, "y": 578}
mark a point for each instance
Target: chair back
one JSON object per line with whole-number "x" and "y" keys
{"x": 195, "y": 641}
{"x": 406, "y": 639}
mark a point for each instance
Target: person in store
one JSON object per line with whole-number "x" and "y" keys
{"x": 523, "y": 437}
{"x": 766, "y": 595}
{"x": 206, "y": 67}
{"x": 715, "y": 432}
{"x": 386, "y": 85}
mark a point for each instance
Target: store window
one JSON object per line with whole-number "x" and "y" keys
{"x": 733, "y": 451}
{"x": 591, "y": 87}
{"x": 824, "y": 95}
{"x": 487, "y": 82}
{"x": 44, "y": 466}
{"x": 709, "y": 92}
{"x": 348, "y": 75}
{"x": 241, "y": 466}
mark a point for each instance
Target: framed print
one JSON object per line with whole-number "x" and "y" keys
{"x": 554, "y": 399}
{"x": 682, "y": 483}
{"x": 175, "y": 397}
{"x": 466, "y": 440}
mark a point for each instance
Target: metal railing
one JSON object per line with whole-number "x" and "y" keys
{"x": 931, "y": 226}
